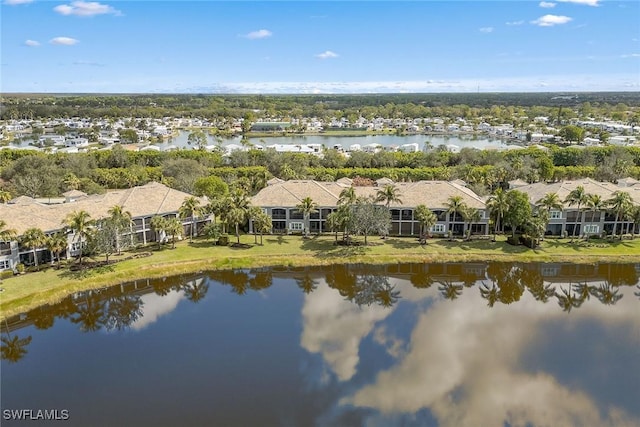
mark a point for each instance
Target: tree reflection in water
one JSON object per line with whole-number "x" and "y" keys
{"x": 306, "y": 284}
{"x": 374, "y": 289}
{"x": 195, "y": 290}
{"x": 122, "y": 311}
{"x": 449, "y": 290}
{"x": 13, "y": 348}
{"x": 119, "y": 307}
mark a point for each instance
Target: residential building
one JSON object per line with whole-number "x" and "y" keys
{"x": 280, "y": 198}
{"x": 589, "y": 222}
{"x": 143, "y": 202}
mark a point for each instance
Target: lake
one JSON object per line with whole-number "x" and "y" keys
{"x": 456, "y": 344}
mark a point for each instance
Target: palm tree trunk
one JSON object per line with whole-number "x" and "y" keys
{"x": 35, "y": 258}
{"x": 238, "y": 232}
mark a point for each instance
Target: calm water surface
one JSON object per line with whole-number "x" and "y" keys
{"x": 403, "y": 344}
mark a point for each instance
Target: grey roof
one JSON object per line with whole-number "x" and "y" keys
{"x": 433, "y": 194}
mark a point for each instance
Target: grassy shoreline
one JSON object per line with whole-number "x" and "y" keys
{"x": 25, "y": 292}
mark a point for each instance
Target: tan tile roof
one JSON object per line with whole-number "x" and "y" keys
{"x": 433, "y": 194}
{"x": 562, "y": 189}
{"x": 150, "y": 199}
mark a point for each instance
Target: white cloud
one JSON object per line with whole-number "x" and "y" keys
{"x": 514, "y": 23}
{"x": 467, "y": 374}
{"x": 327, "y": 54}
{"x": 551, "y": 20}
{"x": 82, "y": 8}
{"x": 16, "y": 2}
{"x": 63, "y": 41}
{"x": 486, "y": 30}
{"x": 547, "y": 4}
{"x": 156, "y": 306}
{"x": 585, "y": 2}
{"x": 31, "y": 43}
{"x": 260, "y": 34}
{"x": 631, "y": 55}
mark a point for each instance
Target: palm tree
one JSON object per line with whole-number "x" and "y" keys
{"x": 235, "y": 217}
{"x": 6, "y": 234}
{"x": 635, "y": 219}
{"x": 122, "y": 220}
{"x": 491, "y": 294}
{"x": 595, "y": 203}
{"x": 454, "y": 206}
{"x": 333, "y": 224}
{"x": 254, "y": 213}
{"x": 307, "y": 207}
{"x": 57, "y": 243}
{"x": 190, "y": 208}
{"x": 80, "y": 223}
{"x": 5, "y": 196}
{"x": 427, "y": 219}
{"x": 347, "y": 196}
{"x": 306, "y": 283}
{"x": 33, "y": 238}
{"x": 173, "y": 227}
{"x": 158, "y": 225}
{"x": 470, "y": 215}
{"x": 388, "y": 194}
{"x": 498, "y": 204}
{"x": 550, "y": 201}
{"x": 620, "y": 203}
{"x": 577, "y": 197}
{"x": 263, "y": 224}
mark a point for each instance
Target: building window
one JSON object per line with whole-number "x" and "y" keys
{"x": 5, "y": 264}
{"x": 296, "y": 226}
{"x": 591, "y": 229}
{"x": 555, "y": 215}
{"x": 437, "y": 228}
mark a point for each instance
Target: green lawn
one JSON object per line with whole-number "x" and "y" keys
{"x": 30, "y": 290}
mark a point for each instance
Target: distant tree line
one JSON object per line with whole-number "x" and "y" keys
{"x": 49, "y": 175}
{"x": 501, "y": 107}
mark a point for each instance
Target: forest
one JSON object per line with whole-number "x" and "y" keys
{"x": 49, "y": 175}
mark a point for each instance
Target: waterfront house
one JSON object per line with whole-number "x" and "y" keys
{"x": 280, "y": 198}
{"x": 589, "y": 222}
{"x": 143, "y": 202}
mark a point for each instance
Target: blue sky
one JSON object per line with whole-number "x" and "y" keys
{"x": 319, "y": 47}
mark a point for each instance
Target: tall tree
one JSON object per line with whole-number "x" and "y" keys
{"x": 369, "y": 218}
{"x": 347, "y": 196}
{"x": 190, "y": 208}
{"x": 121, "y": 221}
{"x": 519, "y": 211}
{"x": 577, "y": 197}
{"x": 307, "y": 207}
{"x": 33, "y": 238}
{"x": 262, "y": 223}
{"x": 470, "y": 215}
{"x": 56, "y": 243}
{"x": 80, "y": 223}
{"x": 427, "y": 219}
{"x": 158, "y": 225}
{"x": 173, "y": 227}
{"x": 455, "y": 205}
{"x": 620, "y": 203}
{"x": 6, "y": 234}
{"x": 388, "y": 194}
{"x": 498, "y": 205}
{"x": 549, "y": 202}
{"x": 595, "y": 203}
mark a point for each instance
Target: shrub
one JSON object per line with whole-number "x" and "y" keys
{"x": 515, "y": 241}
{"x": 20, "y": 268}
